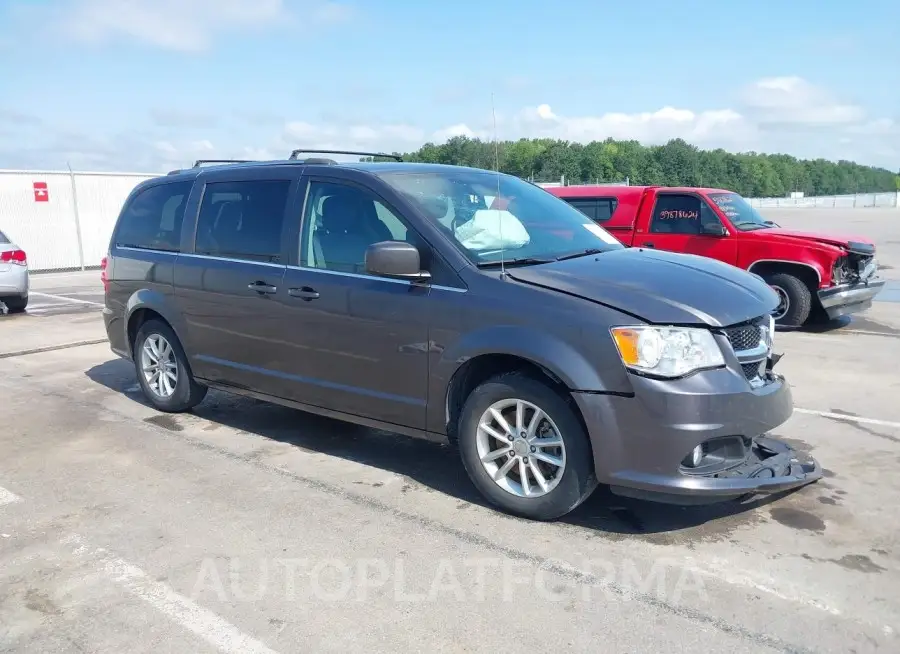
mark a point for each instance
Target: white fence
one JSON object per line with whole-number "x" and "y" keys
{"x": 63, "y": 220}
{"x": 850, "y": 201}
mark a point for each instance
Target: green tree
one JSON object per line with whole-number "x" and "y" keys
{"x": 677, "y": 163}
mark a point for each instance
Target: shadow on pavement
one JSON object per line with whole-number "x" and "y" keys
{"x": 433, "y": 465}
{"x": 856, "y": 322}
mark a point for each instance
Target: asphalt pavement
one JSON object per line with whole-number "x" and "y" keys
{"x": 248, "y": 527}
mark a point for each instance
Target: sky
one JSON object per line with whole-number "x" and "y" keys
{"x": 151, "y": 85}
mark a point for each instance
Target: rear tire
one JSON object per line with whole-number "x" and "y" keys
{"x": 795, "y": 297}
{"x": 561, "y": 491}
{"x": 15, "y": 304}
{"x": 163, "y": 371}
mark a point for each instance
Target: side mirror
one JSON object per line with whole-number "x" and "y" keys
{"x": 714, "y": 229}
{"x": 395, "y": 259}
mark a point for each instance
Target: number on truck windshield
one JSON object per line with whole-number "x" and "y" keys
{"x": 739, "y": 211}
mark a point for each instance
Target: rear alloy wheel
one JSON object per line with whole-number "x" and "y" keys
{"x": 163, "y": 371}
{"x": 794, "y": 300}
{"x": 525, "y": 449}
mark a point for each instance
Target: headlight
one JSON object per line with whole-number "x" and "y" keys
{"x": 667, "y": 351}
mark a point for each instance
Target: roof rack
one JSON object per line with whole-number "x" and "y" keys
{"x": 396, "y": 157}
{"x": 200, "y": 162}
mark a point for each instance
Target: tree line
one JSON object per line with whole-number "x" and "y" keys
{"x": 677, "y": 163}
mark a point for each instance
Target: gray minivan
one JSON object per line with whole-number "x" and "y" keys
{"x": 458, "y": 305}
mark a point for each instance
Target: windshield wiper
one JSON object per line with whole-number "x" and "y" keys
{"x": 583, "y": 253}
{"x": 523, "y": 261}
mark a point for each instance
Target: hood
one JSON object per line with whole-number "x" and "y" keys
{"x": 838, "y": 240}
{"x": 658, "y": 287}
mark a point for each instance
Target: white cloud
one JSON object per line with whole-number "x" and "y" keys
{"x": 181, "y": 25}
{"x": 650, "y": 127}
{"x": 782, "y": 114}
{"x": 379, "y": 138}
{"x": 795, "y": 101}
{"x": 460, "y": 129}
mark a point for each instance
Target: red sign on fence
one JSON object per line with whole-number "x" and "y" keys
{"x": 41, "y": 194}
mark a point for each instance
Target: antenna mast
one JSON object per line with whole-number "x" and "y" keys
{"x": 497, "y": 171}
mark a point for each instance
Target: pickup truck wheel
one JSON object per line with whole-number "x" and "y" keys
{"x": 795, "y": 299}
{"x": 163, "y": 371}
{"x": 524, "y": 448}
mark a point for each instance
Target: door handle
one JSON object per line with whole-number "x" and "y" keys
{"x": 262, "y": 287}
{"x": 647, "y": 245}
{"x": 305, "y": 293}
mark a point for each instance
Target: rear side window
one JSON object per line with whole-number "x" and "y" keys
{"x": 3, "y": 239}
{"x": 597, "y": 209}
{"x": 242, "y": 220}
{"x": 153, "y": 218}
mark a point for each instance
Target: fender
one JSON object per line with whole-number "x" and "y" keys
{"x": 557, "y": 357}
{"x": 755, "y": 252}
{"x": 812, "y": 265}
{"x": 161, "y": 303}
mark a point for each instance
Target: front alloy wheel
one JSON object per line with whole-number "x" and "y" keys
{"x": 525, "y": 448}
{"x": 520, "y": 448}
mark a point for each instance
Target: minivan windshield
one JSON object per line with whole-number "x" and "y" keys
{"x": 492, "y": 217}
{"x": 739, "y": 212}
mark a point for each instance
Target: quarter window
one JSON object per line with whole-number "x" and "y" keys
{"x": 153, "y": 218}
{"x": 339, "y": 225}
{"x": 597, "y": 209}
{"x": 243, "y": 220}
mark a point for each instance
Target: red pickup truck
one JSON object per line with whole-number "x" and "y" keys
{"x": 810, "y": 272}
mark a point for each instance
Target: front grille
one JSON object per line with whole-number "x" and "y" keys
{"x": 752, "y": 370}
{"x": 745, "y": 337}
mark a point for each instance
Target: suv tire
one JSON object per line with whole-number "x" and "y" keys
{"x": 798, "y": 297}
{"x": 157, "y": 347}
{"x": 15, "y": 304}
{"x": 567, "y": 490}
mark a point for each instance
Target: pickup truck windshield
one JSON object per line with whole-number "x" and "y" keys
{"x": 739, "y": 212}
{"x": 487, "y": 215}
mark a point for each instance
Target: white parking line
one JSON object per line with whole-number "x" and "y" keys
{"x": 845, "y": 417}
{"x": 215, "y": 630}
{"x": 66, "y": 299}
{"x": 7, "y": 497}
{"x": 870, "y": 333}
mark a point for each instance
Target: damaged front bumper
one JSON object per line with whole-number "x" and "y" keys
{"x": 772, "y": 466}
{"x": 845, "y": 299}
{"x": 644, "y": 443}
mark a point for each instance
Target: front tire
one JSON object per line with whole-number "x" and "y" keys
{"x": 795, "y": 299}
{"x": 513, "y": 426}
{"x": 163, "y": 371}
